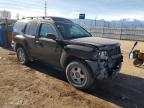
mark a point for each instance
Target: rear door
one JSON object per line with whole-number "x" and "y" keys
{"x": 30, "y": 33}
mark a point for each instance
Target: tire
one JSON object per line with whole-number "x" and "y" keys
{"x": 21, "y": 55}
{"x": 138, "y": 62}
{"x": 79, "y": 75}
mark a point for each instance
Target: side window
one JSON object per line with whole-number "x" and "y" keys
{"x": 27, "y": 28}
{"x": 46, "y": 29}
{"x": 31, "y": 28}
{"x": 19, "y": 27}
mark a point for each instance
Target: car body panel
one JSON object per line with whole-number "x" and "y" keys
{"x": 58, "y": 51}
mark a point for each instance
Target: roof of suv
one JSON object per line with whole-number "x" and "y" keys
{"x": 49, "y": 18}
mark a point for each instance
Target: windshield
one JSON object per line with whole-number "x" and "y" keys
{"x": 71, "y": 30}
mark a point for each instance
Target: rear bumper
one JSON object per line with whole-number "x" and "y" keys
{"x": 109, "y": 69}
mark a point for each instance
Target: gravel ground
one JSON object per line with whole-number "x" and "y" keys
{"x": 41, "y": 86}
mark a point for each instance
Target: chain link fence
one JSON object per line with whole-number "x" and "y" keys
{"x": 115, "y": 33}
{"x": 121, "y": 30}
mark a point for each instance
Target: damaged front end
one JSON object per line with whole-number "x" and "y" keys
{"x": 109, "y": 68}
{"x": 108, "y": 63}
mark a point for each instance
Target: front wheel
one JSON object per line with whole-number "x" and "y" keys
{"x": 79, "y": 75}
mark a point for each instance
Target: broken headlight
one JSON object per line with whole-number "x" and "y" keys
{"x": 103, "y": 55}
{"x": 95, "y": 55}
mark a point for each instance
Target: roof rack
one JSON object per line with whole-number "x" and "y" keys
{"x": 55, "y": 19}
{"x": 42, "y": 17}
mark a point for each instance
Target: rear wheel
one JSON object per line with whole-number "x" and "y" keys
{"x": 79, "y": 75}
{"x": 21, "y": 55}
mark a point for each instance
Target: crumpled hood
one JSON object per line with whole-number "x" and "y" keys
{"x": 96, "y": 41}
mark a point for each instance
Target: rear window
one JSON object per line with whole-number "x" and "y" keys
{"x": 19, "y": 27}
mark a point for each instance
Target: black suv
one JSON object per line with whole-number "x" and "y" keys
{"x": 66, "y": 45}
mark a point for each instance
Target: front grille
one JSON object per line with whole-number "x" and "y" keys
{"x": 114, "y": 51}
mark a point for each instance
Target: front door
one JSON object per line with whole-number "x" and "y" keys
{"x": 48, "y": 49}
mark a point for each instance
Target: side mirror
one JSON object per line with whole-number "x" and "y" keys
{"x": 51, "y": 36}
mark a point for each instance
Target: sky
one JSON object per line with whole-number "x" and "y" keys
{"x": 94, "y": 9}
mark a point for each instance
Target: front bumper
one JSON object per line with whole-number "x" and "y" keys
{"x": 107, "y": 69}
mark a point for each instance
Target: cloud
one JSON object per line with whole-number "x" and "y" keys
{"x": 36, "y": 12}
{"x": 103, "y": 9}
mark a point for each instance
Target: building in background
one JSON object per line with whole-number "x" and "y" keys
{"x": 5, "y": 14}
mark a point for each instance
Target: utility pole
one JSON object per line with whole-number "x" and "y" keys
{"x": 103, "y": 27}
{"x": 95, "y": 22}
{"x": 122, "y": 23}
{"x": 45, "y": 8}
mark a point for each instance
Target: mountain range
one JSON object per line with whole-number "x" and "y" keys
{"x": 111, "y": 24}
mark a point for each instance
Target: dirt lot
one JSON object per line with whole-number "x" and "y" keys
{"x": 40, "y": 86}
